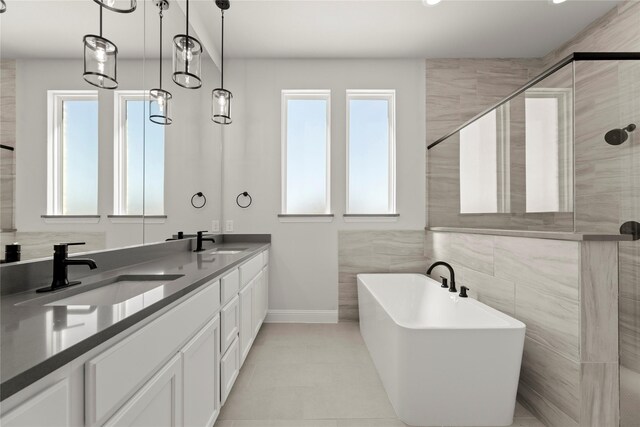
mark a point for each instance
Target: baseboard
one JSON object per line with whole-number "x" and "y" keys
{"x": 302, "y": 316}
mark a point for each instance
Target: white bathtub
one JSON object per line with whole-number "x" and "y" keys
{"x": 443, "y": 360}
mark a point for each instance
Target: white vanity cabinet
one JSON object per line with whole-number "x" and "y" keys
{"x": 158, "y": 403}
{"x": 246, "y": 319}
{"x": 48, "y": 408}
{"x": 201, "y": 376}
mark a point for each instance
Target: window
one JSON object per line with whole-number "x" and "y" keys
{"x": 72, "y": 187}
{"x": 484, "y": 164}
{"x": 549, "y": 166}
{"x": 305, "y": 152}
{"x": 139, "y": 157}
{"x": 371, "y": 152}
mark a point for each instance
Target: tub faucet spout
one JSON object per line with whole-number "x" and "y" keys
{"x": 452, "y": 274}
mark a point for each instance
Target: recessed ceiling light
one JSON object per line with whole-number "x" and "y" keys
{"x": 430, "y": 2}
{"x": 558, "y": 1}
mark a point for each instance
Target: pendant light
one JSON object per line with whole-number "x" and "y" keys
{"x": 221, "y": 98}
{"x": 187, "y": 58}
{"x": 3, "y": 6}
{"x": 121, "y": 6}
{"x": 160, "y": 102}
{"x": 100, "y": 60}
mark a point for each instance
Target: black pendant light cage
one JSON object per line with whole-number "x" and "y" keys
{"x": 100, "y": 60}
{"x": 187, "y": 59}
{"x": 160, "y": 99}
{"x": 3, "y": 6}
{"x": 220, "y": 97}
{"x": 120, "y": 6}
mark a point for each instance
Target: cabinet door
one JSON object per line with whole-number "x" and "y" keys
{"x": 201, "y": 376}
{"x": 49, "y": 408}
{"x": 257, "y": 303}
{"x": 229, "y": 368}
{"x": 158, "y": 403}
{"x": 246, "y": 322}
{"x": 229, "y": 323}
{"x": 265, "y": 292}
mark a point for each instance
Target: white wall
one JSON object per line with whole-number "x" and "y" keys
{"x": 304, "y": 260}
{"x": 192, "y": 149}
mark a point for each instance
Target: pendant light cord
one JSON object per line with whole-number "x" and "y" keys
{"x": 161, "y": 15}
{"x": 100, "y": 20}
{"x": 222, "y": 53}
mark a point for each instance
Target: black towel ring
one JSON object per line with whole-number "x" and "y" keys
{"x": 245, "y": 194}
{"x": 199, "y": 194}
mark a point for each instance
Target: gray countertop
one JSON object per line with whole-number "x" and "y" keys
{"x": 37, "y": 339}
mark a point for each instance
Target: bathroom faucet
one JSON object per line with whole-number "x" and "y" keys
{"x": 200, "y": 239}
{"x": 61, "y": 262}
{"x": 180, "y": 237}
{"x": 452, "y": 274}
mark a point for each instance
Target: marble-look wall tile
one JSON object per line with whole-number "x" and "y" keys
{"x": 496, "y": 293}
{"x": 552, "y": 318}
{"x": 629, "y": 335}
{"x": 599, "y": 394}
{"x": 378, "y": 251}
{"x": 544, "y": 410}
{"x": 599, "y": 302}
{"x": 553, "y": 376}
{"x": 532, "y": 261}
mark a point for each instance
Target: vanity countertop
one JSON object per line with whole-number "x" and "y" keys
{"x": 38, "y": 339}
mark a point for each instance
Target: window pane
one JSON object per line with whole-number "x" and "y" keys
{"x": 144, "y": 181}
{"x": 306, "y": 156}
{"x": 80, "y": 157}
{"x": 542, "y": 150}
{"x": 478, "y": 166}
{"x": 369, "y": 175}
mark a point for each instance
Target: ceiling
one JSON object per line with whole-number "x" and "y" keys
{"x": 309, "y": 28}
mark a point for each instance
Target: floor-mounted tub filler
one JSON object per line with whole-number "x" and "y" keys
{"x": 443, "y": 360}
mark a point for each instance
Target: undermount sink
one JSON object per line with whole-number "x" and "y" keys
{"x": 227, "y": 251}
{"x": 117, "y": 290}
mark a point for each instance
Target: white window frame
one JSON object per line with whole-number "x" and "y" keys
{"x": 120, "y": 149}
{"x": 55, "y": 99}
{"x": 388, "y": 95}
{"x": 319, "y": 94}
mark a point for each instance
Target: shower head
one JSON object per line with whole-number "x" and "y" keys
{"x": 618, "y": 136}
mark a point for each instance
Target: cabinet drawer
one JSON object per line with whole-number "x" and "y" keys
{"x": 265, "y": 258}
{"x": 229, "y": 323}
{"x": 115, "y": 374}
{"x": 229, "y": 368}
{"x": 229, "y": 286}
{"x": 250, "y": 269}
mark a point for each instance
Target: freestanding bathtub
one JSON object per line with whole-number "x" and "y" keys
{"x": 443, "y": 360}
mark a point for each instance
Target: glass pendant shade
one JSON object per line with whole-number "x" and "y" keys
{"x": 3, "y": 6}
{"x": 160, "y": 106}
{"x": 221, "y": 106}
{"x": 121, "y": 6}
{"x": 187, "y": 58}
{"x": 100, "y": 62}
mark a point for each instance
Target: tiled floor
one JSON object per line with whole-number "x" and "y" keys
{"x": 314, "y": 375}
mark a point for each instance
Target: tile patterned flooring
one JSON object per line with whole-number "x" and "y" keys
{"x": 314, "y": 375}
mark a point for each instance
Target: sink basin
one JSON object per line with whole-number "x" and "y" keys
{"x": 230, "y": 251}
{"x": 116, "y": 290}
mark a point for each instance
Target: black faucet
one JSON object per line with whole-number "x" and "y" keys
{"x": 452, "y": 274}
{"x": 180, "y": 237}
{"x": 60, "y": 264}
{"x": 11, "y": 253}
{"x": 200, "y": 239}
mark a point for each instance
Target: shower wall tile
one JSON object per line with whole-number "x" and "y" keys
{"x": 629, "y": 330}
{"x": 379, "y": 251}
{"x": 599, "y": 302}
{"x": 599, "y": 394}
{"x": 552, "y": 376}
{"x": 630, "y": 269}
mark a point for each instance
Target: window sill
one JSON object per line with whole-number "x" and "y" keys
{"x": 371, "y": 217}
{"x": 70, "y": 219}
{"x": 305, "y": 217}
{"x": 137, "y": 219}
